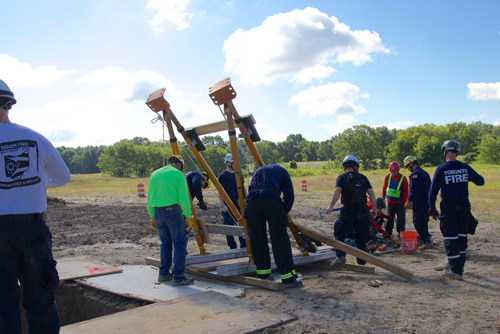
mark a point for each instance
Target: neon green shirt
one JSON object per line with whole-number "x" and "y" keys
{"x": 168, "y": 186}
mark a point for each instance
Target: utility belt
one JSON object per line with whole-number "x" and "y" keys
{"x": 169, "y": 207}
{"x": 276, "y": 191}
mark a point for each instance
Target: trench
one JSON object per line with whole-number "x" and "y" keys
{"x": 77, "y": 302}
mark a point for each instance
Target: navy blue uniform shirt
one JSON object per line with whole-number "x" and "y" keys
{"x": 228, "y": 182}
{"x": 453, "y": 179}
{"x": 270, "y": 181}
{"x": 420, "y": 182}
{"x": 194, "y": 180}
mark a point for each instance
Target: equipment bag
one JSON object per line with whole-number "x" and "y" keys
{"x": 472, "y": 224}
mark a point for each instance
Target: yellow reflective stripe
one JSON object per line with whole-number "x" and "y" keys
{"x": 264, "y": 271}
{"x": 396, "y": 193}
{"x": 289, "y": 275}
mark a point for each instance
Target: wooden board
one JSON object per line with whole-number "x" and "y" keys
{"x": 356, "y": 252}
{"x": 208, "y": 312}
{"x": 204, "y": 231}
{"x": 81, "y": 267}
{"x": 140, "y": 282}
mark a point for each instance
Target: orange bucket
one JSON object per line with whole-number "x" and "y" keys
{"x": 408, "y": 242}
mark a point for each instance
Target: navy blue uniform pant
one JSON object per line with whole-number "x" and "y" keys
{"x": 26, "y": 255}
{"x": 259, "y": 211}
{"x": 454, "y": 227}
{"x": 393, "y": 210}
{"x": 228, "y": 219}
{"x": 358, "y": 219}
{"x": 421, "y": 222}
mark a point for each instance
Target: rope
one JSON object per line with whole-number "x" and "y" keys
{"x": 153, "y": 121}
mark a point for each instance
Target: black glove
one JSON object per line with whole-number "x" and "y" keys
{"x": 433, "y": 213}
{"x": 202, "y": 205}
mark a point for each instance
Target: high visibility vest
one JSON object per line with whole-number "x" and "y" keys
{"x": 393, "y": 190}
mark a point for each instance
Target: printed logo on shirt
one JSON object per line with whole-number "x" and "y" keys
{"x": 18, "y": 164}
{"x": 415, "y": 176}
{"x": 456, "y": 176}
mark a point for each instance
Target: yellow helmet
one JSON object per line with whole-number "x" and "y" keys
{"x": 409, "y": 160}
{"x": 176, "y": 158}
{"x": 207, "y": 178}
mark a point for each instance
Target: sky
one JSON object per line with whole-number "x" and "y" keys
{"x": 82, "y": 70}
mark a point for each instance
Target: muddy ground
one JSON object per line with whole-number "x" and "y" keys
{"x": 115, "y": 229}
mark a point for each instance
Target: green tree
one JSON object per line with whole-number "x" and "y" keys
{"x": 489, "y": 150}
{"x": 268, "y": 152}
{"x": 360, "y": 141}
{"x": 289, "y": 148}
{"x": 325, "y": 151}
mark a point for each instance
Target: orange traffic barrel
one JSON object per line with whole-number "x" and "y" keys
{"x": 140, "y": 190}
{"x": 303, "y": 185}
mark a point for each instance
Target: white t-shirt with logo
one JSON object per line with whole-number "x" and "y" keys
{"x": 29, "y": 164}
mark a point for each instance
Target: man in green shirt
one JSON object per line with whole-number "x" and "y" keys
{"x": 169, "y": 204}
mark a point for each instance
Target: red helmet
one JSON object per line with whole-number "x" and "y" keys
{"x": 394, "y": 167}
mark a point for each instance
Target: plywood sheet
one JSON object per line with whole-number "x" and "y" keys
{"x": 80, "y": 267}
{"x": 208, "y": 312}
{"x": 141, "y": 282}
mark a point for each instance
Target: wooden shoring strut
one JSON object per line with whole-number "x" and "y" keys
{"x": 237, "y": 174}
{"x": 229, "y": 108}
{"x": 214, "y": 179}
{"x": 157, "y": 103}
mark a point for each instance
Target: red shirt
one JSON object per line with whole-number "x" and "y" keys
{"x": 404, "y": 188}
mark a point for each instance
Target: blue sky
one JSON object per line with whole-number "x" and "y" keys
{"x": 82, "y": 70}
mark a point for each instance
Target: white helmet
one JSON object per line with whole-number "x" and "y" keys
{"x": 351, "y": 160}
{"x": 228, "y": 158}
{"x": 6, "y": 93}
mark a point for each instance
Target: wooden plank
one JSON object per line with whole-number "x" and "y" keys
{"x": 207, "y": 312}
{"x": 204, "y": 231}
{"x": 252, "y": 281}
{"x": 80, "y": 267}
{"x": 356, "y": 252}
{"x": 210, "y": 128}
{"x": 213, "y": 265}
{"x": 346, "y": 266}
{"x": 236, "y": 231}
{"x": 298, "y": 259}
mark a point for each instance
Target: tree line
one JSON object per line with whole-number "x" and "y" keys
{"x": 375, "y": 147}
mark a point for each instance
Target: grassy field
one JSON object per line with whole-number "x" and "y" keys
{"x": 485, "y": 200}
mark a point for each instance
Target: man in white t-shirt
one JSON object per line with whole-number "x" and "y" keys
{"x": 29, "y": 164}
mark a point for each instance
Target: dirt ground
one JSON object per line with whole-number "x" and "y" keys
{"x": 115, "y": 229}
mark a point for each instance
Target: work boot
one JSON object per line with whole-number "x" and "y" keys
{"x": 296, "y": 283}
{"x": 338, "y": 261}
{"x": 427, "y": 243}
{"x": 182, "y": 281}
{"x": 165, "y": 278}
{"x": 451, "y": 274}
{"x": 443, "y": 265}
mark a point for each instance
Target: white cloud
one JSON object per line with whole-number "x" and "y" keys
{"x": 19, "y": 75}
{"x": 399, "y": 125}
{"x": 496, "y": 122}
{"x": 332, "y": 98}
{"x": 173, "y": 11}
{"x": 341, "y": 123}
{"x": 107, "y": 105}
{"x": 473, "y": 118}
{"x": 484, "y": 91}
{"x": 297, "y": 46}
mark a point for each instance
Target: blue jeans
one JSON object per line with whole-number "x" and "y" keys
{"x": 26, "y": 255}
{"x": 172, "y": 231}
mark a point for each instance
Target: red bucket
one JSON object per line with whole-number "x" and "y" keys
{"x": 408, "y": 242}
